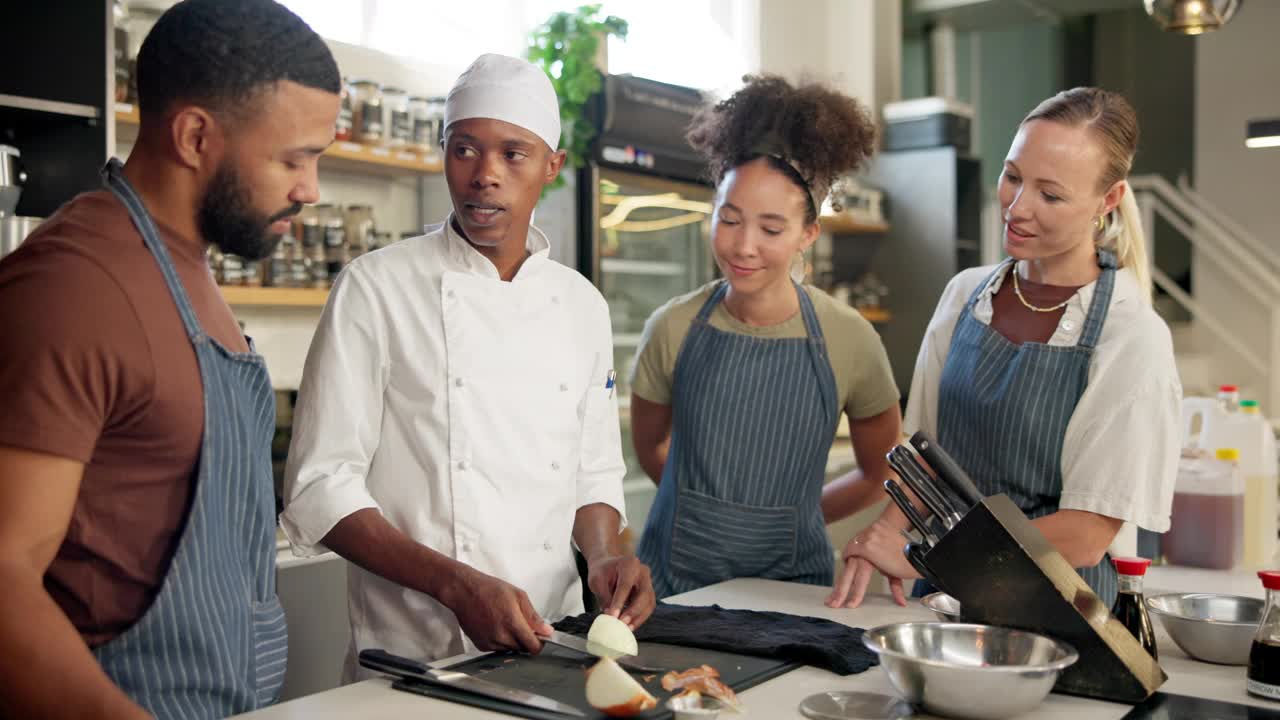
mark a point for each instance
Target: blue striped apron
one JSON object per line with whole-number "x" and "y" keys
{"x": 741, "y": 491}
{"x": 213, "y": 643}
{"x": 1003, "y": 409}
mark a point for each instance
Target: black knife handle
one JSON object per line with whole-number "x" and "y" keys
{"x": 915, "y": 555}
{"x": 378, "y": 659}
{"x": 949, "y": 471}
{"x": 913, "y": 515}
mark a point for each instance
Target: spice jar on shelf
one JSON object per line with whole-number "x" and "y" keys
{"x": 399, "y": 121}
{"x": 359, "y": 227}
{"x": 367, "y": 104}
{"x": 346, "y": 114}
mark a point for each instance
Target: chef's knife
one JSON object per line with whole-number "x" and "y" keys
{"x": 904, "y": 504}
{"x": 577, "y": 644}
{"x": 901, "y": 462}
{"x": 948, "y": 470}
{"x": 383, "y": 661}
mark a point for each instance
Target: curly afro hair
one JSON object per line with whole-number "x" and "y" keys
{"x": 819, "y": 133}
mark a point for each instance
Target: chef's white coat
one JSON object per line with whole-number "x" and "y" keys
{"x": 472, "y": 413}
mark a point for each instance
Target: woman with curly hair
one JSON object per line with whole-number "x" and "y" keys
{"x": 739, "y": 385}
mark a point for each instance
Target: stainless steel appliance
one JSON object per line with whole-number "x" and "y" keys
{"x": 14, "y": 229}
{"x": 12, "y": 178}
{"x": 644, "y": 225}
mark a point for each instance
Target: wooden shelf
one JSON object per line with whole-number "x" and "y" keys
{"x": 342, "y": 156}
{"x": 274, "y": 296}
{"x": 845, "y": 225}
{"x": 875, "y": 315}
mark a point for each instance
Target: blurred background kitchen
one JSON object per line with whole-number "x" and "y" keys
{"x": 949, "y": 79}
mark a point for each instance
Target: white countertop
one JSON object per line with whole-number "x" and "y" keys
{"x": 780, "y": 697}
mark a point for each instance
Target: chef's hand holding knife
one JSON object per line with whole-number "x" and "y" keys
{"x": 879, "y": 547}
{"x": 495, "y": 614}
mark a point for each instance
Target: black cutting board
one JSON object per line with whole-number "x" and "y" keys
{"x": 1163, "y": 706}
{"x": 560, "y": 674}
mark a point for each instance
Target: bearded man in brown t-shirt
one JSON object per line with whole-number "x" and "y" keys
{"x": 130, "y": 396}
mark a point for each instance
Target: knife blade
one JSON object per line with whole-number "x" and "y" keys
{"x": 948, "y": 470}
{"x": 577, "y": 644}
{"x": 383, "y": 661}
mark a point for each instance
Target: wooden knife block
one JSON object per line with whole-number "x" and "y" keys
{"x": 1004, "y": 572}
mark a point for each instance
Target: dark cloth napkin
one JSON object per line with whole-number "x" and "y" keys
{"x": 811, "y": 641}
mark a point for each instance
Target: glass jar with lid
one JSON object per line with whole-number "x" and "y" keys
{"x": 399, "y": 122}
{"x": 346, "y": 113}
{"x": 435, "y": 108}
{"x": 423, "y": 135}
{"x": 366, "y": 102}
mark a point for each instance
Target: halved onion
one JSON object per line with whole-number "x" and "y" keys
{"x": 611, "y": 637}
{"x": 615, "y": 693}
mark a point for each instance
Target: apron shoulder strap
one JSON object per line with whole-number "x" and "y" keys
{"x": 977, "y": 292}
{"x": 113, "y": 177}
{"x": 704, "y": 314}
{"x": 1101, "y": 302}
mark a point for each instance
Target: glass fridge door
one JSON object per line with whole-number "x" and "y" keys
{"x": 652, "y": 245}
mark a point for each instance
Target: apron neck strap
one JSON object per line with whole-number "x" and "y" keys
{"x": 113, "y": 177}
{"x": 813, "y": 328}
{"x": 1101, "y": 303}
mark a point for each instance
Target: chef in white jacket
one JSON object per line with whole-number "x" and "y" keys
{"x": 456, "y": 432}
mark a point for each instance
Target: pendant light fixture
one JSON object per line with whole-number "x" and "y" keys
{"x": 1191, "y": 17}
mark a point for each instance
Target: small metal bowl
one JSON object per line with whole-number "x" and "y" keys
{"x": 939, "y": 665}
{"x": 943, "y": 605}
{"x": 1210, "y": 627}
{"x": 690, "y": 708}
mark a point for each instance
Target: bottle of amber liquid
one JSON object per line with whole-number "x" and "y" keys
{"x": 1131, "y": 608}
{"x": 1264, "y": 656}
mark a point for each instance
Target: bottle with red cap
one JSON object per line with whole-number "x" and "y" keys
{"x": 1131, "y": 607}
{"x": 1264, "y": 656}
{"x": 1229, "y": 398}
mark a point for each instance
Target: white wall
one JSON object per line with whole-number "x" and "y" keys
{"x": 1237, "y": 80}
{"x": 854, "y": 44}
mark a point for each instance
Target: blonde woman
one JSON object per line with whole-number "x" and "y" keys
{"x": 1049, "y": 377}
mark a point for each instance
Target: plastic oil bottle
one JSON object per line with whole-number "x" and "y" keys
{"x": 1207, "y": 528}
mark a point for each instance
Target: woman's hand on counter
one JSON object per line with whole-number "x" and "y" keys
{"x": 879, "y": 547}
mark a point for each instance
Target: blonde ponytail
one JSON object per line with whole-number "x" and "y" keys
{"x": 1124, "y": 235}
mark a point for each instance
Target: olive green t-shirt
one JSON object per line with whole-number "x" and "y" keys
{"x": 864, "y": 380}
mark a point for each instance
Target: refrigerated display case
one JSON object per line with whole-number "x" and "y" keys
{"x": 644, "y": 226}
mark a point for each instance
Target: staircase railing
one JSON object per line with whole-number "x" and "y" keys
{"x": 1233, "y": 252}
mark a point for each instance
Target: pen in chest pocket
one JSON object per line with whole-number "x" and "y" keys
{"x": 610, "y": 382}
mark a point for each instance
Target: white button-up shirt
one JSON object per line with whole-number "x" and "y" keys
{"x": 473, "y": 413}
{"x": 1120, "y": 454}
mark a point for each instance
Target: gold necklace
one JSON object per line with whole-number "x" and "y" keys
{"x": 1018, "y": 291}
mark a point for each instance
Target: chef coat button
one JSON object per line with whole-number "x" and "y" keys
{"x": 555, "y": 299}
{"x": 458, "y": 382}
{"x": 546, "y": 545}
{"x": 555, "y": 466}
{"x": 466, "y": 547}
{"x": 450, "y": 294}
{"x": 462, "y": 464}
{"x": 564, "y": 387}
{"x": 1068, "y": 326}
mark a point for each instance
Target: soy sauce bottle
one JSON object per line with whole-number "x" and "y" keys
{"x": 1130, "y": 607}
{"x": 1264, "y": 656}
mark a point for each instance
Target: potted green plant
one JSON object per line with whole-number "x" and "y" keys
{"x": 566, "y": 47}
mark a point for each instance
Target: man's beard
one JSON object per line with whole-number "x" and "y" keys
{"x": 227, "y": 218}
